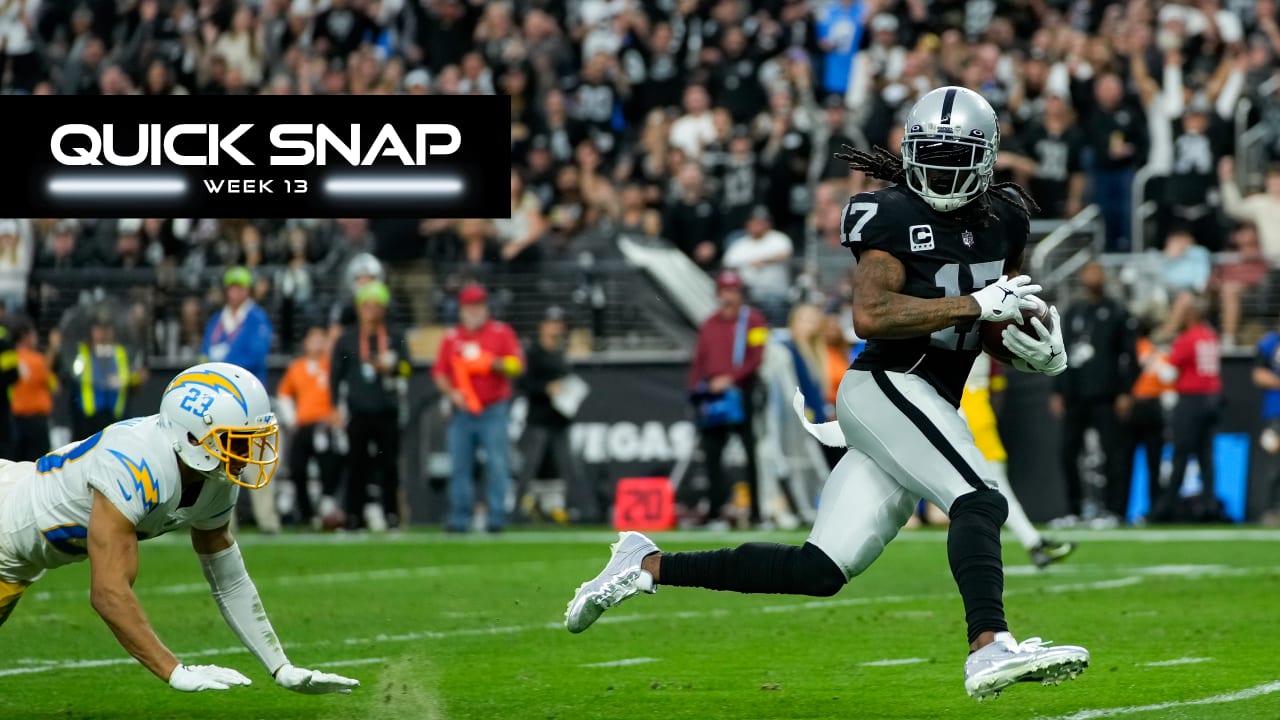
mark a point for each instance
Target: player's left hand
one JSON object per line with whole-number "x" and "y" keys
{"x": 313, "y": 682}
{"x": 1046, "y": 353}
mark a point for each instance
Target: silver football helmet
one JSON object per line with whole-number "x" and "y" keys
{"x": 949, "y": 149}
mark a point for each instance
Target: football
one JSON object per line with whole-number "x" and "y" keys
{"x": 993, "y": 332}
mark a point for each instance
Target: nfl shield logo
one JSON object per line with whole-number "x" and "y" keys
{"x": 967, "y": 238}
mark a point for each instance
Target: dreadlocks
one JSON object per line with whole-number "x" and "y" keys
{"x": 884, "y": 165}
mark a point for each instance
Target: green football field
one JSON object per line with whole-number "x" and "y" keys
{"x": 1181, "y": 624}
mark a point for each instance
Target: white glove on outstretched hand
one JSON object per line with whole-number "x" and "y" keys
{"x": 194, "y": 678}
{"x": 313, "y": 682}
{"x": 1002, "y": 299}
{"x": 1045, "y": 353}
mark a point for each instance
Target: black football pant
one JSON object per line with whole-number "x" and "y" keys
{"x": 1195, "y": 419}
{"x": 306, "y": 446}
{"x": 375, "y": 448}
{"x": 1099, "y": 414}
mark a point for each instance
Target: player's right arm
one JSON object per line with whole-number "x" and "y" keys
{"x": 113, "y": 565}
{"x": 881, "y": 312}
{"x": 113, "y": 568}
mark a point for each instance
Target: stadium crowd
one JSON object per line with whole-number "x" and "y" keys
{"x": 710, "y": 124}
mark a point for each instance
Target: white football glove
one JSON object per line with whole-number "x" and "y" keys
{"x": 1002, "y": 299}
{"x": 194, "y": 678}
{"x": 313, "y": 682}
{"x": 1045, "y": 353}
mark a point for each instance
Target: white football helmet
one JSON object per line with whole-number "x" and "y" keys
{"x": 949, "y": 149}
{"x": 218, "y": 416}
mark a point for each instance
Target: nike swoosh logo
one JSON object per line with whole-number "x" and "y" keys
{"x": 127, "y": 495}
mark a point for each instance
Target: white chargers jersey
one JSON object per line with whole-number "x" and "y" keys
{"x": 45, "y": 505}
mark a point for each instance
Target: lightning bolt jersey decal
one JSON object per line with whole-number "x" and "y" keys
{"x": 145, "y": 482}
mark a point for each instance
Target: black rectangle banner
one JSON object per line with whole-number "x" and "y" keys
{"x": 325, "y": 156}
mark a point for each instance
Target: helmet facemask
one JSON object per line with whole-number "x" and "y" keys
{"x": 253, "y": 449}
{"x": 947, "y": 172}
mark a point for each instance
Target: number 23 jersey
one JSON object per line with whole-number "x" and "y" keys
{"x": 943, "y": 256}
{"x": 45, "y": 506}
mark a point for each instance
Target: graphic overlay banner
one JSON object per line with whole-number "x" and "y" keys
{"x": 328, "y": 156}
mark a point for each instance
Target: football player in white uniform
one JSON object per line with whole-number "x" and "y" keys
{"x": 144, "y": 477}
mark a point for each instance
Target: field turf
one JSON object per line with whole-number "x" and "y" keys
{"x": 1181, "y": 624}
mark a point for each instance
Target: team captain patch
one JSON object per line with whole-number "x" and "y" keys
{"x": 921, "y": 238}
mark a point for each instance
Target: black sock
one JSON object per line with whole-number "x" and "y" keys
{"x": 756, "y": 568}
{"x": 973, "y": 547}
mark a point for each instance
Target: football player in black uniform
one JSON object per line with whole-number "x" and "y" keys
{"x": 934, "y": 256}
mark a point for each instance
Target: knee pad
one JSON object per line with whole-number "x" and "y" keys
{"x": 817, "y": 574}
{"x": 986, "y": 503}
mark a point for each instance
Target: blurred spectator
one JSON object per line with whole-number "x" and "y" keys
{"x": 296, "y": 285}
{"x": 403, "y": 246}
{"x": 305, "y": 406}
{"x": 17, "y": 254}
{"x": 1241, "y": 281}
{"x": 20, "y": 61}
{"x": 1195, "y": 365}
{"x": 762, "y": 257}
{"x": 1145, "y": 424}
{"x": 240, "y": 333}
{"x": 1266, "y": 377}
{"x": 361, "y": 270}
{"x": 809, "y": 359}
{"x": 722, "y": 380}
{"x": 1094, "y": 391}
{"x": 474, "y": 368}
{"x": 184, "y": 335}
{"x": 31, "y": 397}
{"x": 1187, "y": 267}
{"x": 840, "y": 26}
{"x": 636, "y": 217}
{"x": 369, "y": 377}
{"x": 689, "y": 221}
{"x": 1117, "y": 131}
{"x": 1046, "y": 159}
{"x": 519, "y": 235}
{"x": 1191, "y": 196}
{"x": 1260, "y": 209}
{"x": 100, "y": 378}
{"x": 546, "y": 432}
{"x": 695, "y": 128}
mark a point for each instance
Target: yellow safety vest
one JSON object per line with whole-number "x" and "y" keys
{"x": 88, "y": 402}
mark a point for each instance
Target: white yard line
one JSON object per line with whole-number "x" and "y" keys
{"x": 1177, "y": 661}
{"x": 1246, "y": 694}
{"x": 351, "y": 663}
{"x": 621, "y": 663}
{"x": 894, "y": 663}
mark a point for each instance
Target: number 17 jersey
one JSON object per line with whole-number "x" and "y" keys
{"x": 943, "y": 256}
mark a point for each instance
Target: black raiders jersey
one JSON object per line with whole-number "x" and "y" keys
{"x": 943, "y": 257}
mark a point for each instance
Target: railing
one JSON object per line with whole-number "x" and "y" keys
{"x": 1140, "y": 210}
{"x": 603, "y": 301}
{"x": 1087, "y": 220}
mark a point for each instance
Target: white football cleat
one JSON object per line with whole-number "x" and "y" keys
{"x": 1005, "y": 662}
{"x": 620, "y": 579}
